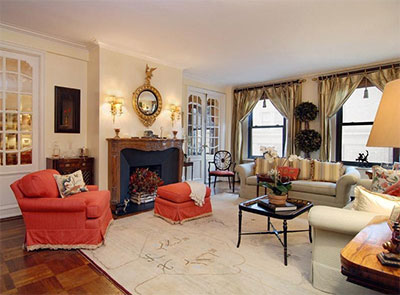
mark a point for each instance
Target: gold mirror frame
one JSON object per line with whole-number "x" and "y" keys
{"x": 147, "y": 120}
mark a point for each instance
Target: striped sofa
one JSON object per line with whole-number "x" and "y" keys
{"x": 319, "y": 192}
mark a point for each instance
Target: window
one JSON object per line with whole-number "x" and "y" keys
{"x": 354, "y": 123}
{"x": 267, "y": 127}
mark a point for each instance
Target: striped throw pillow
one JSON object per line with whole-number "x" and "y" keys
{"x": 305, "y": 168}
{"x": 263, "y": 165}
{"x": 325, "y": 171}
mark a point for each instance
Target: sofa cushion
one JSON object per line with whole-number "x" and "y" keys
{"x": 383, "y": 178}
{"x": 96, "y": 202}
{"x": 289, "y": 173}
{"x": 70, "y": 184}
{"x": 305, "y": 168}
{"x": 315, "y": 187}
{"x": 368, "y": 201}
{"x": 177, "y": 192}
{"x": 325, "y": 171}
{"x": 40, "y": 184}
{"x": 393, "y": 190}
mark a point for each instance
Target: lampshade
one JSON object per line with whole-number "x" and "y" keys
{"x": 385, "y": 131}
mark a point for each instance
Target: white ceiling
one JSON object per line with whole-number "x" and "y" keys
{"x": 226, "y": 42}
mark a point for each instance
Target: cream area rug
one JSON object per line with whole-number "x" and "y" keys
{"x": 147, "y": 255}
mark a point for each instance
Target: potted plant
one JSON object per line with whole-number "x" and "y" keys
{"x": 279, "y": 187}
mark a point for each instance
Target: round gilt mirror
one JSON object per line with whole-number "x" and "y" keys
{"x": 147, "y": 103}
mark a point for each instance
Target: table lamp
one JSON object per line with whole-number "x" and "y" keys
{"x": 385, "y": 131}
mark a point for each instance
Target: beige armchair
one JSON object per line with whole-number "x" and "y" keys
{"x": 332, "y": 229}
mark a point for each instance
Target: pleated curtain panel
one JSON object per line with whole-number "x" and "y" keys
{"x": 284, "y": 97}
{"x": 334, "y": 92}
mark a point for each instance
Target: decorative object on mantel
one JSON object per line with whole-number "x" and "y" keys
{"x": 147, "y": 101}
{"x": 307, "y": 140}
{"x": 67, "y": 107}
{"x": 117, "y": 130}
{"x": 148, "y": 133}
{"x": 116, "y": 104}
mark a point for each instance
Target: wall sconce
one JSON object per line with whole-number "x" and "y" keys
{"x": 116, "y": 104}
{"x": 175, "y": 112}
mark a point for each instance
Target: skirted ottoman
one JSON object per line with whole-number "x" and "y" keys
{"x": 173, "y": 203}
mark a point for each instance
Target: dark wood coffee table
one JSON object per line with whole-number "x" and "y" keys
{"x": 252, "y": 207}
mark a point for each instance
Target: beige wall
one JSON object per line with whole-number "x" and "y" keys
{"x": 72, "y": 73}
{"x": 120, "y": 75}
{"x": 93, "y": 106}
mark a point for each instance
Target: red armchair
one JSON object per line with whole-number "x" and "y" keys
{"x": 79, "y": 221}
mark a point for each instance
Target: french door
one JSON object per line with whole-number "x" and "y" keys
{"x": 205, "y": 127}
{"x": 19, "y": 122}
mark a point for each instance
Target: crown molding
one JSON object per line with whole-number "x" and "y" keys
{"x": 42, "y": 35}
{"x": 204, "y": 80}
{"x": 137, "y": 54}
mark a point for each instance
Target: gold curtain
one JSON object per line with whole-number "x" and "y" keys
{"x": 382, "y": 76}
{"x": 243, "y": 103}
{"x": 333, "y": 93}
{"x": 285, "y": 98}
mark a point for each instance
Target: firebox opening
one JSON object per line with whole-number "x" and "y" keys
{"x": 165, "y": 163}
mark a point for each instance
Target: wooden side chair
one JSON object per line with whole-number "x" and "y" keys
{"x": 223, "y": 163}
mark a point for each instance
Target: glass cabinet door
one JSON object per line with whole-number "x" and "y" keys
{"x": 16, "y": 111}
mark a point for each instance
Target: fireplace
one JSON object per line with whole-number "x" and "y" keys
{"x": 164, "y": 163}
{"x": 126, "y": 154}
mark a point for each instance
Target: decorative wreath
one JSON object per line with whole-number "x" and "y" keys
{"x": 308, "y": 140}
{"x": 306, "y": 111}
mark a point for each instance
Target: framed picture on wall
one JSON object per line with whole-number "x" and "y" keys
{"x": 67, "y": 108}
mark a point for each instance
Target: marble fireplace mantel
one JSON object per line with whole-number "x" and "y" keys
{"x": 116, "y": 145}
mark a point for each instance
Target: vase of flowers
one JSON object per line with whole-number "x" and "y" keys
{"x": 278, "y": 189}
{"x": 143, "y": 185}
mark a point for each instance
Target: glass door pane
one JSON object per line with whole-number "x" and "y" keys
{"x": 16, "y": 111}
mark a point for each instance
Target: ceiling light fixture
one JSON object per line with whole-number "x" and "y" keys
{"x": 366, "y": 89}
{"x": 264, "y": 98}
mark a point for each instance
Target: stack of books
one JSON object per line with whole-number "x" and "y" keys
{"x": 264, "y": 203}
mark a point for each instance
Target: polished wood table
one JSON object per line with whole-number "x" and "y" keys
{"x": 361, "y": 265}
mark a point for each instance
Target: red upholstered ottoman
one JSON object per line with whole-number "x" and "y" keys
{"x": 173, "y": 203}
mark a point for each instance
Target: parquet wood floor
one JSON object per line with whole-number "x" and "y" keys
{"x": 50, "y": 271}
{"x": 46, "y": 271}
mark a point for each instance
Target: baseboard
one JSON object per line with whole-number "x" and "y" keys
{"x": 9, "y": 211}
{"x": 10, "y": 218}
